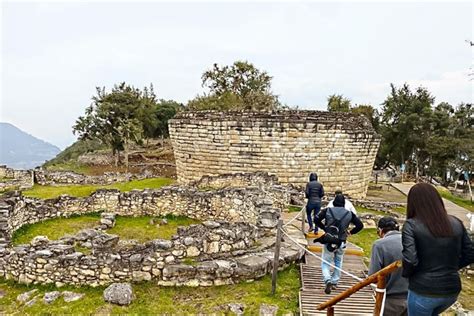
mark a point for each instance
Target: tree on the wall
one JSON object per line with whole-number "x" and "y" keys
{"x": 240, "y": 86}
{"x": 338, "y": 103}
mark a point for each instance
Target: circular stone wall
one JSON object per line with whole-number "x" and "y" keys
{"x": 340, "y": 147}
{"x": 234, "y": 242}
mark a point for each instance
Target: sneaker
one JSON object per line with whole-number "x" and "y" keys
{"x": 333, "y": 286}
{"x": 328, "y": 288}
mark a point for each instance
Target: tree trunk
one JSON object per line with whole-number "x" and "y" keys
{"x": 115, "y": 153}
{"x": 125, "y": 148}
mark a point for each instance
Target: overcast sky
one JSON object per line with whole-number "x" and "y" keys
{"x": 55, "y": 54}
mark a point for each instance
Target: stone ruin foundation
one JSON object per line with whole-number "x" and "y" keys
{"x": 340, "y": 147}
{"x": 233, "y": 243}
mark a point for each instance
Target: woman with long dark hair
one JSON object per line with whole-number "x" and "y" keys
{"x": 435, "y": 246}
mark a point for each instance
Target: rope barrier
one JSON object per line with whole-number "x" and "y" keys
{"x": 321, "y": 259}
{"x": 294, "y": 218}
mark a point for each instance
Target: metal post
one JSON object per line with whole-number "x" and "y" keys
{"x": 276, "y": 258}
{"x": 379, "y": 294}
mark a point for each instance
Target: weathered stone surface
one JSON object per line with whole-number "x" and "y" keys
{"x": 69, "y": 296}
{"x": 236, "y": 308}
{"x": 39, "y": 240}
{"x": 268, "y": 310}
{"x": 50, "y": 297}
{"x": 24, "y": 297}
{"x": 211, "y": 249}
{"x": 119, "y": 293}
{"x": 341, "y": 147}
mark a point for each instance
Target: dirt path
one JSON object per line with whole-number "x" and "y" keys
{"x": 451, "y": 207}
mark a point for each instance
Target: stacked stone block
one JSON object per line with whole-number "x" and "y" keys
{"x": 340, "y": 147}
{"x": 234, "y": 242}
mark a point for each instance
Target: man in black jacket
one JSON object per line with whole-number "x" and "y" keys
{"x": 314, "y": 192}
{"x": 333, "y": 252}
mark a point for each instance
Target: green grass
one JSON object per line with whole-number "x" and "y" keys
{"x": 361, "y": 210}
{"x": 152, "y": 299}
{"x": 140, "y": 229}
{"x": 70, "y": 166}
{"x": 467, "y": 204}
{"x": 293, "y": 208}
{"x": 364, "y": 239}
{"x": 401, "y": 210}
{"x": 54, "y": 228}
{"x": 137, "y": 228}
{"x": 49, "y": 192}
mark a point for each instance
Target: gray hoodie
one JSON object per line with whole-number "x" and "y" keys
{"x": 384, "y": 252}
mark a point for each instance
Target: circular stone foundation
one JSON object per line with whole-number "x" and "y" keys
{"x": 233, "y": 243}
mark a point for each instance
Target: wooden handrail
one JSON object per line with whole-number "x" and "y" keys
{"x": 378, "y": 277}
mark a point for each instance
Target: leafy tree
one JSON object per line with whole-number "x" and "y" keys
{"x": 117, "y": 118}
{"x": 240, "y": 86}
{"x": 406, "y": 126}
{"x": 337, "y": 103}
{"x": 368, "y": 111}
{"x": 464, "y": 131}
{"x": 441, "y": 144}
{"x": 164, "y": 111}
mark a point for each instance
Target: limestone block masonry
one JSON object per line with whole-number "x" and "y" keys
{"x": 340, "y": 147}
{"x": 234, "y": 242}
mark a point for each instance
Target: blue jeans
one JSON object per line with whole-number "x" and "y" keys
{"x": 420, "y": 305}
{"x": 312, "y": 209}
{"x": 335, "y": 258}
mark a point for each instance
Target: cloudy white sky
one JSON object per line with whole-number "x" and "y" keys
{"x": 55, "y": 54}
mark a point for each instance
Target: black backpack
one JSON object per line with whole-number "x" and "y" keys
{"x": 334, "y": 231}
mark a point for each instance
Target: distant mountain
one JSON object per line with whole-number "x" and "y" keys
{"x": 20, "y": 150}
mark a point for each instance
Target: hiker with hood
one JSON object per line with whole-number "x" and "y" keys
{"x": 336, "y": 224}
{"x": 314, "y": 192}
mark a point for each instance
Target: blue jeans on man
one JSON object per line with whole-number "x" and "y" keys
{"x": 312, "y": 209}
{"x": 420, "y": 305}
{"x": 335, "y": 258}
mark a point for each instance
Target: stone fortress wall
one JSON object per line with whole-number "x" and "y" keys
{"x": 46, "y": 177}
{"x": 233, "y": 243}
{"x": 339, "y": 147}
{"x": 13, "y": 178}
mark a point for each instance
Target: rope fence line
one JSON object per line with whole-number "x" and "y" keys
{"x": 281, "y": 230}
{"x": 320, "y": 258}
{"x": 358, "y": 279}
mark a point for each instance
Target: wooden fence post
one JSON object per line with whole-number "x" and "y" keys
{"x": 276, "y": 258}
{"x": 379, "y": 295}
{"x": 303, "y": 219}
{"x": 330, "y": 311}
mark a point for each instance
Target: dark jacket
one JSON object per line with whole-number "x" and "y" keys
{"x": 314, "y": 190}
{"x": 339, "y": 213}
{"x": 384, "y": 252}
{"x": 431, "y": 264}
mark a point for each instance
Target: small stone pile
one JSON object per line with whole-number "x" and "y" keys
{"x": 107, "y": 220}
